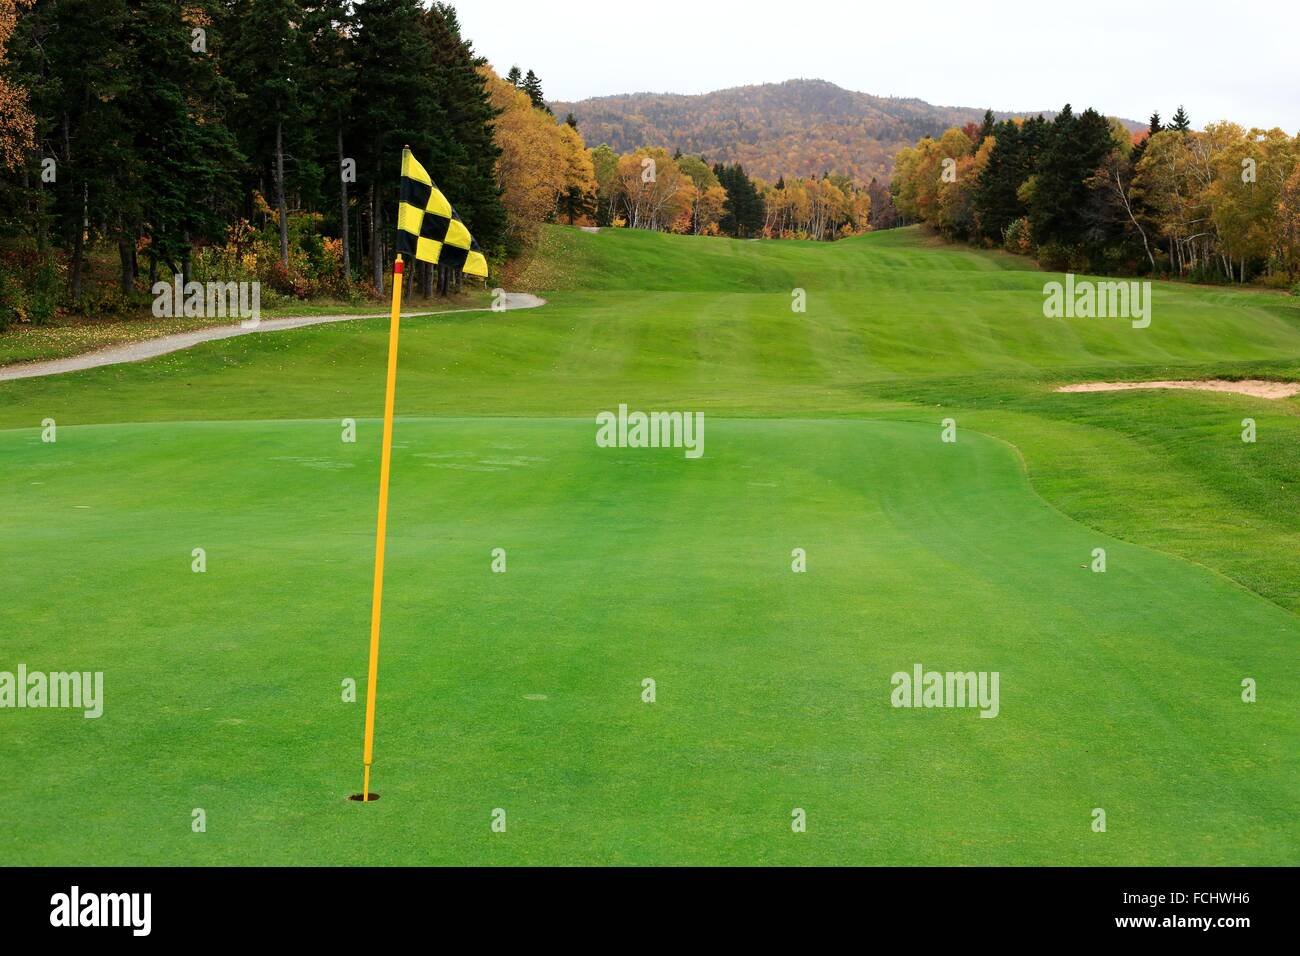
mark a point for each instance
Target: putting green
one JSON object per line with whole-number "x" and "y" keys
{"x": 522, "y": 690}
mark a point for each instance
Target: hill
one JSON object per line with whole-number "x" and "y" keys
{"x": 795, "y": 128}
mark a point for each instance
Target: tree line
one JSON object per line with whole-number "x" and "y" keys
{"x": 1082, "y": 193}
{"x": 251, "y": 139}
{"x": 651, "y": 188}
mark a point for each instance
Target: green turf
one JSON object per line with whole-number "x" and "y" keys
{"x": 1118, "y": 690}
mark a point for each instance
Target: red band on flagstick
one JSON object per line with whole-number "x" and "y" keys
{"x": 397, "y": 267}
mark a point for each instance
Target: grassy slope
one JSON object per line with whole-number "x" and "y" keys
{"x": 893, "y": 327}
{"x": 1119, "y": 690}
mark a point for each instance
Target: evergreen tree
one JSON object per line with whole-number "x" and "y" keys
{"x": 1180, "y": 121}
{"x": 1075, "y": 149}
{"x": 80, "y": 82}
{"x": 463, "y": 154}
{"x": 1013, "y": 160}
{"x": 514, "y": 77}
{"x": 179, "y": 131}
{"x": 266, "y": 58}
{"x": 571, "y": 121}
{"x": 743, "y": 210}
{"x": 533, "y": 87}
{"x": 331, "y": 80}
{"x": 1139, "y": 150}
{"x": 398, "y": 104}
{"x": 986, "y": 130}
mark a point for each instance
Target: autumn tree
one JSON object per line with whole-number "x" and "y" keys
{"x": 17, "y": 124}
{"x": 604, "y": 163}
{"x": 534, "y": 164}
{"x": 653, "y": 191}
{"x": 578, "y": 198}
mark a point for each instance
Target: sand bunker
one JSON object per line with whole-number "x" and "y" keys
{"x": 1255, "y": 387}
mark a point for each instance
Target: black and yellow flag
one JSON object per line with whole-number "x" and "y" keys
{"x": 428, "y": 228}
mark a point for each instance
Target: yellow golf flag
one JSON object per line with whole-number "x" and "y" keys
{"x": 428, "y": 228}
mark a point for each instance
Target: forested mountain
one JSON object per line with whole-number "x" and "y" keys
{"x": 796, "y": 128}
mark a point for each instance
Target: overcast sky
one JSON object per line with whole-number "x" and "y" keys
{"x": 1233, "y": 60}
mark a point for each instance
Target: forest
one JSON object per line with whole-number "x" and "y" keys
{"x": 1080, "y": 193}
{"x": 259, "y": 140}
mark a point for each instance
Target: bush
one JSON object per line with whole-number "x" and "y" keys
{"x": 1054, "y": 257}
{"x": 1019, "y": 237}
{"x": 10, "y": 299}
{"x": 1209, "y": 274}
{"x": 1117, "y": 260}
{"x": 284, "y": 281}
{"x": 29, "y": 287}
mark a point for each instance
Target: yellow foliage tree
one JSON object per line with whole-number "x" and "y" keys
{"x": 580, "y": 185}
{"x": 536, "y": 157}
{"x": 17, "y": 125}
{"x": 654, "y": 193}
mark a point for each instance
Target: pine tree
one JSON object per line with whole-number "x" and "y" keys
{"x": 1180, "y": 121}
{"x": 398, "y": 104}
{"x": 266, "y": 58}
{"x": 79, "y": 86}
{"x": 571, "y": 121}
{"x": 514, "y": 77}
{"x": 743, "y": 210}
{"x": 1013, "y": 159}
{"x": 986, "y": 130}
{"x": 1075, "y": 149}
{"x": 1139, "y": 150}
{"x": 533, "y": 87}
{"x": 463, "y": 157}
{"x": 331, "y": 80}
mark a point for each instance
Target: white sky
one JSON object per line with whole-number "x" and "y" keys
{"x": 1235, "y": 60}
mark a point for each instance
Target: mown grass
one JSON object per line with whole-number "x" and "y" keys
{"x": 523, "y": 691}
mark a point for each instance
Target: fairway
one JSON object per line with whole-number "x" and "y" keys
{"x": 523, "y": 690}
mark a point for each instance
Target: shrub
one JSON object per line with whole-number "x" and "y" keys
{"x": 1054, "y": 257}
{"x": 1018, "y": 237}
{"x": 10, "y": 299}
{"x": 283, "y": 280}
{"x": 29, "y": 286}
{"x": 1208, "y": 274}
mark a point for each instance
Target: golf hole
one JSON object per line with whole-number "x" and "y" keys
{"x": 361, "y": 797}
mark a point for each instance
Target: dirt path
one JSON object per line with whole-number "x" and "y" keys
{"x": 152, "y": 348}
{"x": 1257, "y": 388}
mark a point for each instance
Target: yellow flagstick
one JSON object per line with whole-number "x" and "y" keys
{"x": 382, "y": 527}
